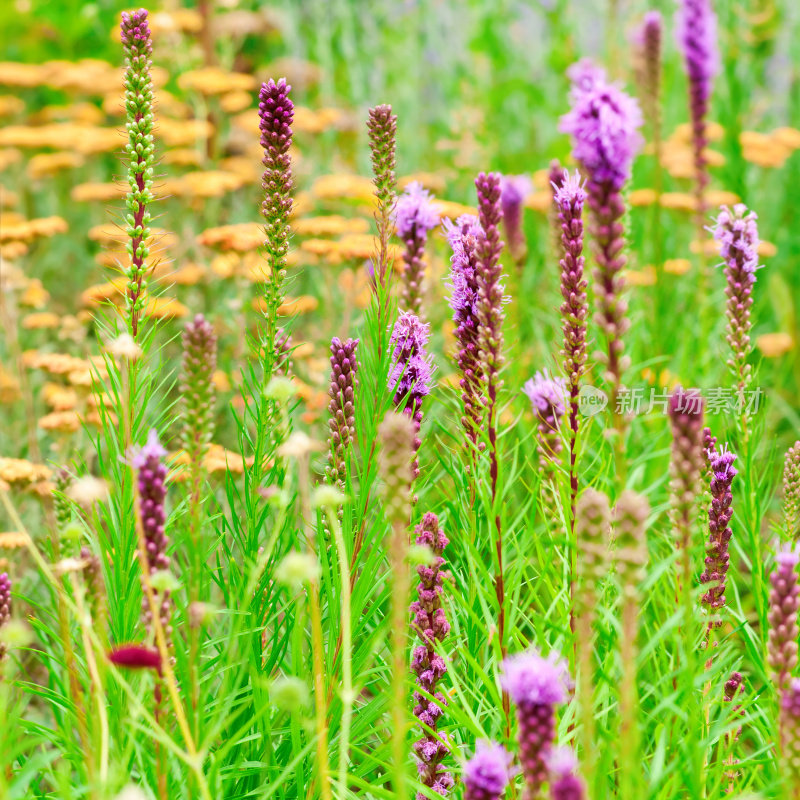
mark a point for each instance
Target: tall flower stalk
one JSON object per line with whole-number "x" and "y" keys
{"x": 490, "y": 348}
{"x": 685, "y": 411}
{"x": 719, "y": 517}
{"x": 5, "y": 608}
{"x": 737, "y": 233}
{"x": 536, "y": 686}
{"x": 382, "y": 129}
{"x": 603, "y": 124}
{"x": 431, "y": 626}
{"x": 630, "y": 520}
{"x": 790, "y": 735}
{"x": 592, "y": 537}
{"x": 514, "y": 190}
{"x": 140, "y": 150}
{"x": 414, "y": 216}
{"x": 341, "y": 410}
{"x": 696, "y": 33}
{"x": 276, "y": 114}
{"x": 397, "y": 434}
{"x": 569, "y": 199}
{"x": 791, "y": 491}
{"x": 465, "y": 236}
{"x": 410, "y": 373}
{"x": 784, "y": 600}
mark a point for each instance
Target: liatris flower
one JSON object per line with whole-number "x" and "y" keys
{"x": 276, "y": 114}
{"x": 197, "y": 390}
{"x": 548, "y": 398}
{"x": 790, "y": 732}
{"x": 5, "y": 605}
{"x": 565, "y": 784}
{"x": 647, "y": 41}
{"x": 686, "y": 463}
{"x": 382, "y": 129}
{"x": 535, "y": 685}
{"x": 135, "y": 35}
{"x": 791, "y": 491}
{"x": 737, "y": 234}
{"x": 696, "y": 33}
{"x": 464, "y": 237}
{"x": 784, "y": 600}
{"x": 431, "y": 625}
{"x": 630, "y": 519}
{"x": 556, "y": 176}
{"x": 397, "y": 434}
{"x": 733, "y": 686}
{"x": 719, "y": 517}
{"x": 490, "y": 352}
{"x": 135, "y": 656}
{"x": 411, "y": 371}
{"x": 569, "y": 200}
{"x": 341, "y": 423}
{"x": 152, "y": 474}
{"x": 487, "y": 773}
{"x": 415, "y": 216}
{"x": 603, "y": 124}
{"x": 513, "y": 191}
{"x": 709, "y": 445}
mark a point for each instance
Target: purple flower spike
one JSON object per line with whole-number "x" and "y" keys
{"x": 719, "y": 517}
{"x": 411, "y": 370}
{"x": 276, "y": 114}
{"x": 696, "y": 33}
{"x": 140, "y": 151}
{"x": 5, "y": 605}
{"x": 548, "y": 398}
{"x": 737, "y": 234}
{"x": 465, "y": 236}
{"x": 152, "y": 475}
{"x": 135, "y": 656}
{"x": 535, "y": 685}
{"x": 341, "y": 422}
{"x": 487, "y": 773}
{"x": 784, "y": 599}
{"x": 564, "y": 781}
{"x": 513, "y": 191}
{"x": 414, "y": 217}
{"x": 431, "y": 625}
{"x": 604, "y": 126}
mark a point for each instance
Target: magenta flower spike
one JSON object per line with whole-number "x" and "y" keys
{"x": 719, "y": 517}
{"x": 487, "y": 773}
{"x": 152, "y": 474}
{"x": 140, "y": 151}
{"x": 790, "y": 733}
{"x": 603, "y": 124}
{"x": 465, "y": 236}
{"x": 431, "y": 626}
{"x": 784, "y": 599}
{"x": 414, "y": 217}
{"x": 5, "y": 605}
{"x": 548, "y": 398}
{"x": 696, "y": 34}
{"x": 135, "y": 656}
{"x": 411, "y": 371}
{"x": 341, "y": 408}
{"x": 276, "y": 115}
{"x": 536, "y": 685}
{"x": 737, "y": 234}
{"x": 514, "y": 189}
{"x": 565, "y": 783}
